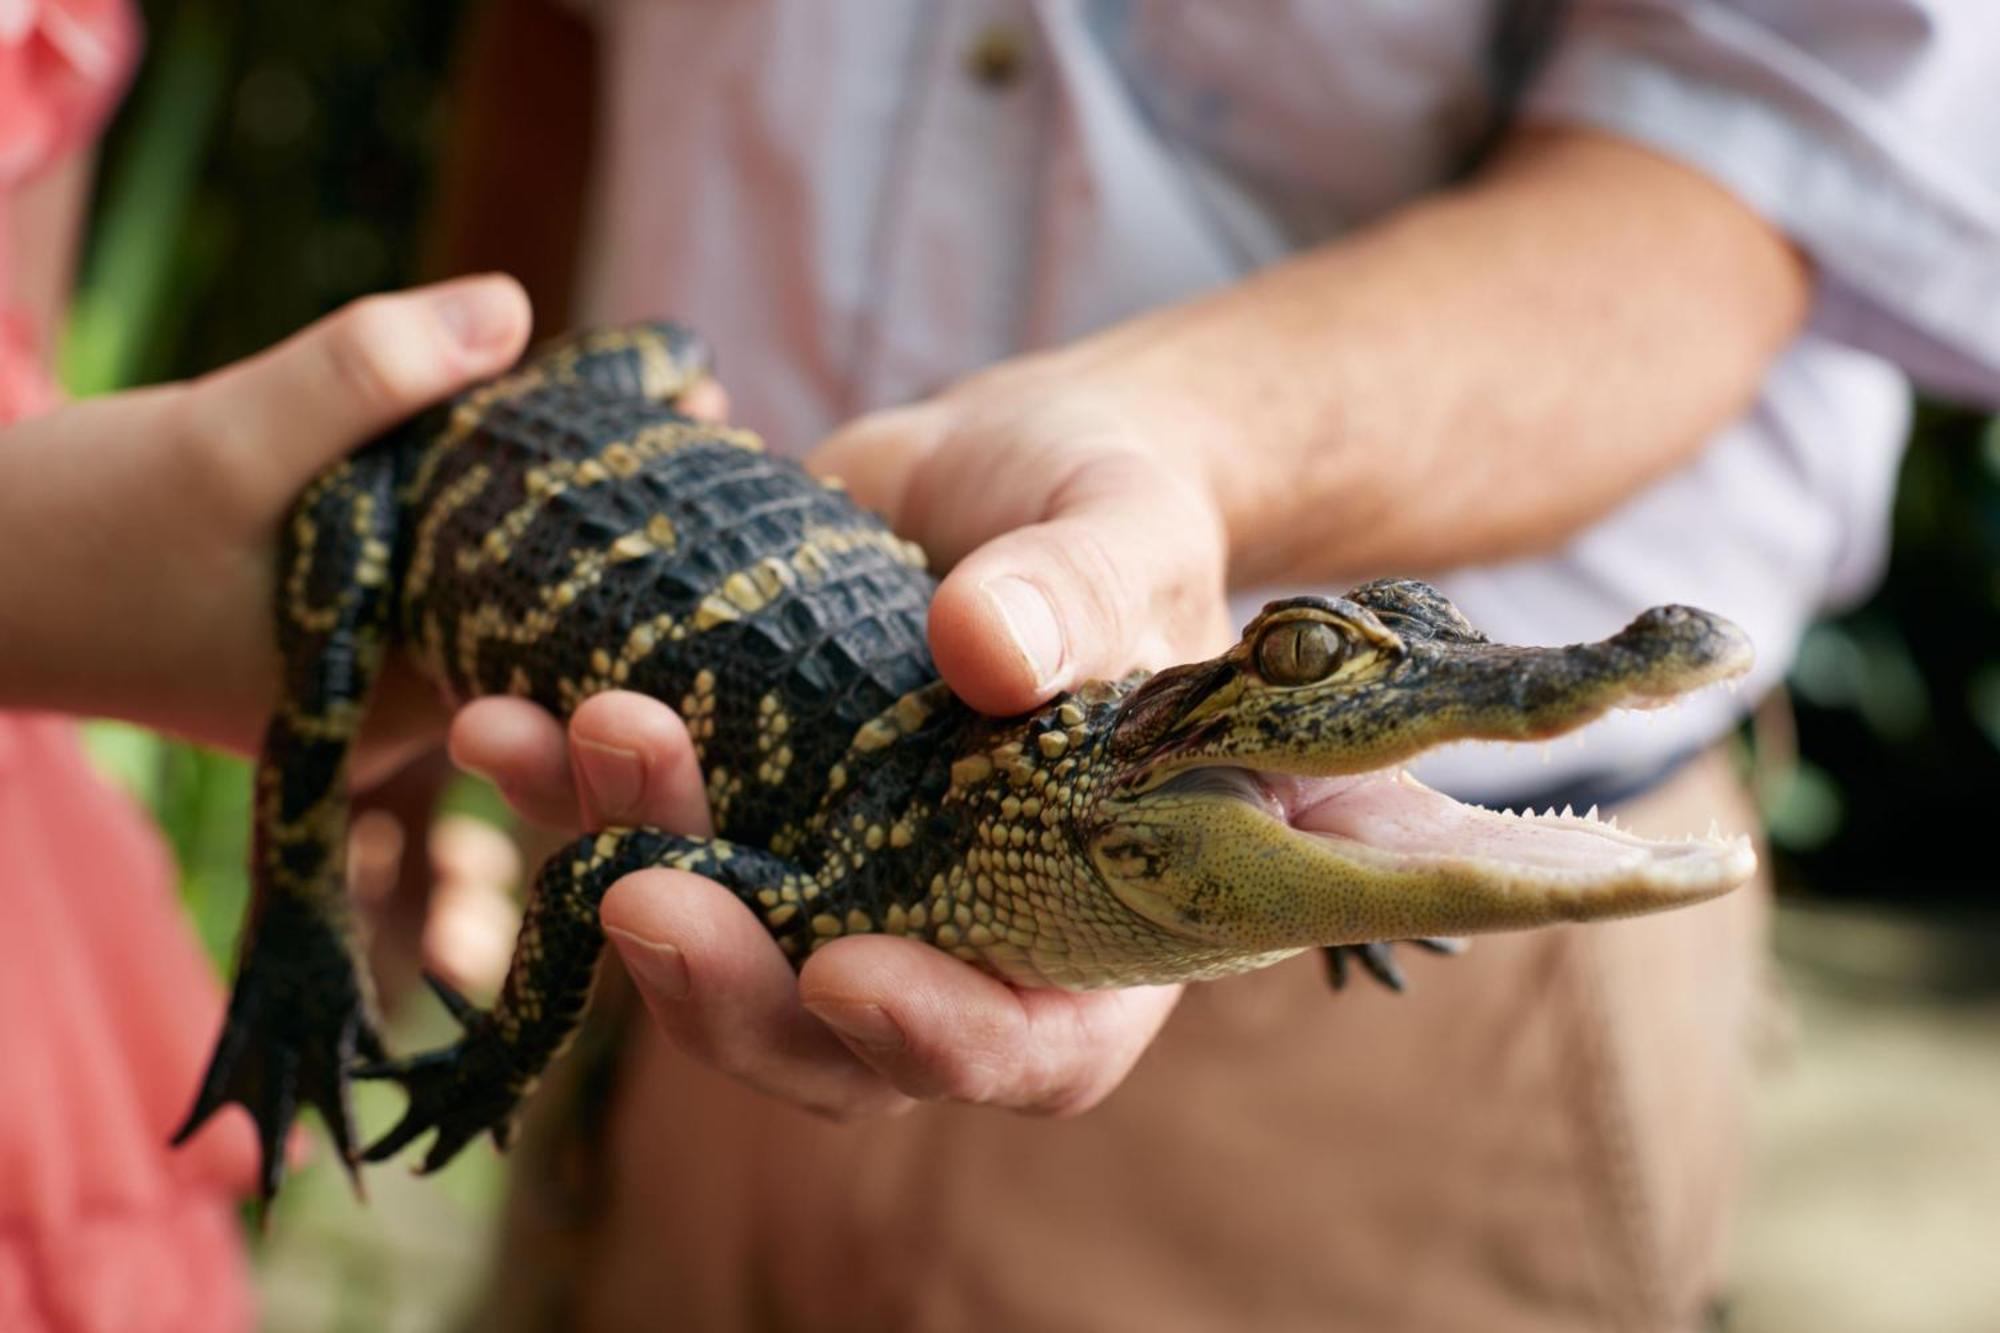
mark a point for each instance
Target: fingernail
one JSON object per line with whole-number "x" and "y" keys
{"x": 860, "y": 1022}
{"x": 657, "y": 966}
{"x": 478, "y": 315}
{"x": 613, "y": 779}
{"x": 1032, "y": 625}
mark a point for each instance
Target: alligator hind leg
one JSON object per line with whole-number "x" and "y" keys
{"x": 477, "y": 1084}
{"x": 301, "y": 1012}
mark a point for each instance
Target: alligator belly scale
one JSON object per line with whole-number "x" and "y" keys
{"x": 563, "y": 530}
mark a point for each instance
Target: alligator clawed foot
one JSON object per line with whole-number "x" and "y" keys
{"x": 466, "y": 1088}
{"x": 281, "y": 1049}
{"x": 1378, "y": 959}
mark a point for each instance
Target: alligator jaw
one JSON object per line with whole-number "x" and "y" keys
{"x": 1258, "y": 802}
{"x": 1544, "y": 867}
{"x": 1269, "y": 861}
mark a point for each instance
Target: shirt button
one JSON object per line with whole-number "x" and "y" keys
{"x": 997, "y": 56}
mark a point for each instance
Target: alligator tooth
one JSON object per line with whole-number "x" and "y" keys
{"x": 1714, "y": 831}
{"x": 1591, "y": 814}
{"x": 1568, "y": 813}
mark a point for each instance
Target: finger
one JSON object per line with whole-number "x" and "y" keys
{"x": 1125, "y": 570}
{"x": 465, "y": 849}
{"x": 520, "y": 748}
{"x": 374, "y": 856}
{"x": 938, "y": 1029}
{"x": 875, "y": 457}
{"x": 405, "y": 714}
{"x": 469, "y": 932}
{"x": 721, "y": 988}
{"x": 278, "y": 419}
{"x": 636, "y": 765}
{"x": 705, "y": 400}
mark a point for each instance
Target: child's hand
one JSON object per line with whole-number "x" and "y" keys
{"x": 138, "y": 531}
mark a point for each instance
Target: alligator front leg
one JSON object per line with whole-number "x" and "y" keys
{"x": 478, "y": 1083}
{"x": 1378, "y": 959}
{"x": 301, "y": 1011}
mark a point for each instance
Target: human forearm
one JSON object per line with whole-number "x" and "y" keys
{"x": 137, "y": 531}
{"x": 1478, "y": 375}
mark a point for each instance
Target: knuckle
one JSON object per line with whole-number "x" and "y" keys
{"x": 1067, "y": 1091}
{"x": 1105, "y": 582}
{"x": 1073, "y": 1070}
{"x": 981, "y": 1069}
{"x": 367, "y": 351}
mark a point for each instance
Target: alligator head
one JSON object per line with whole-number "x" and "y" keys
{"x": 1255, "y": 804}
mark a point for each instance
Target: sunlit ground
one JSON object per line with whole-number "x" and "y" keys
{"x": 1874, "y": 1205}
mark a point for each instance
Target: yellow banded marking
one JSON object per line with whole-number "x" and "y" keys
{"x": 466, "y": 417}
{"x": 661, "y": 377}
{"x": 617, "y": 460}
{"x": 305, "y": 538}
{"x": 455, "y": 497}
{"x": 490, "y": 623}
{"x": 820, "y": 541}
{"x": 899, "y": 720}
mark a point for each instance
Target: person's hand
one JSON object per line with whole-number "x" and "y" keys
{"x": 1083, "y": 544}
{"x": 870, "y": 1024}
{"x": 1069, "y": 500}
{"x": 141, "y": 527}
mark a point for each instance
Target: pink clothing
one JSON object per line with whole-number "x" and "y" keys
{"x": 106, "y": 1005}
{"x": 107, "y": 1010}
{"x": 62, "y": 63}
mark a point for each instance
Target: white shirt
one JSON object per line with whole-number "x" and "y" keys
{"x": 854, "y": 220}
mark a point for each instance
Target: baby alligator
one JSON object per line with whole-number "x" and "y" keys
{"x": 563, "y": 530}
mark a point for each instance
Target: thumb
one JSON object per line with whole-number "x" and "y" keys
{"x": 1126, "y": 570}
{"x": 284, "y": 415}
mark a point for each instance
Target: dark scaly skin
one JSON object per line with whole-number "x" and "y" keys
{"x": 559, "y": 532}
{"x": 563, "y": 531}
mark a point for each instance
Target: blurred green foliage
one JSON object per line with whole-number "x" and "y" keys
{"x": 1897, "y": 702}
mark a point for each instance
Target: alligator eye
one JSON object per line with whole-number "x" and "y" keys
{"x": 1300, "y": 652}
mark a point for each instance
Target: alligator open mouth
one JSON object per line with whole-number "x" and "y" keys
{"x": 1266, "y": 801}
{"x": 1396, "y": 821}
{"x": 1388, "y": 820}
{"x": 1560, "y": 865}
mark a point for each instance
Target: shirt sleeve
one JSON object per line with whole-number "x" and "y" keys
{"x": 1868, "y": 130}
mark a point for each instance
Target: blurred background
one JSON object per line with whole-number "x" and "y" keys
{"x": 274, "y": 161}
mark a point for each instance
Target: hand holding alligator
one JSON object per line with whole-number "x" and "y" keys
{"x": 1074, "y": 554}
{"x": 1090, "y": 500}
{"x": 166, "y": 523}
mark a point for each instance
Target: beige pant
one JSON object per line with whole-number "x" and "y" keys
{"x": 1543, "y": 1135}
